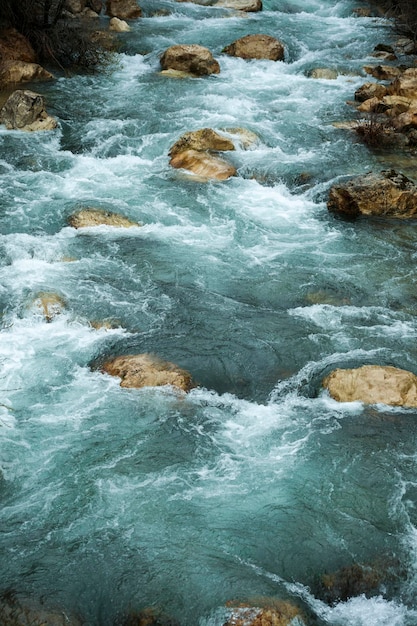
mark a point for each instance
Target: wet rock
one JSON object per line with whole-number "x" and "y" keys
{"x": 384, "y": 56}
{"x": 123, "y": 9}
{"x": 22, "y": 72}
{"x": 256, "y": 47}
{"x": 24, "y": 612}
{"x": 201, "y": 140}
{"x": 146, "y": 370}
{"x": 324, "y": 73}
{"x": 280, "y": 613}
{"x": 248, "y": 6}
{"x": 176, "y": 74}
{"x": 387, "y": 194}
{"x": 99, "y": 217}
{"x": 246, "y": 138}
{"x": 204, "y": 165}
{"x": 25, "y": 110}
{"x": 349, "y": 582}
{"x": 49, "y": 305}
{"x": 373, "y": 384}
{"x": 370, "y": 90}
{"x": 383, "y": 72}
{"x": 15, "y": 47}
{"x": 192, "y": 58}
{"x": 119, "y": 26}
{"x": 147, "y": 617}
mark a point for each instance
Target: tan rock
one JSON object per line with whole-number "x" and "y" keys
{"x": 281, "y": 613}
{"x": 370, "y": 90}
{"x": 369, "y": 106}
{"x": 256, "y": 47}
{"x": 323, "y": 73}
{"x": 383, "y": 72}
{"x": 395, "y": 105}
{"x": 49, "y": 305}
{"x": 201, "y": 140}
{"x": 25, "y": 110}
{"x": 204, "y": 165}
{"x": 22, "y": 72}
{"x": 382, "y": 55}
{"x": 248, "y": 6}
{"x": 119, "y": 26}
{"x": 176, "y": 74}
{"x": 15, "y": 47}
{"x": 373, "y": 384}
{"x": 405, "y": 121}
{"x": 192, "y": 58}
{"x": 86, "y": 218}
{"x": 146, "y": 370}
{"x": 405, "y": 85}
{"x": 387, "y": 194}
{"x": 123, "y": 9}
{"x": 246, "y": 138}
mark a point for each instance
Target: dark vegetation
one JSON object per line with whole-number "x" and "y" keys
{"x": 57, "y": 38}
{"x": 404, "y": 12}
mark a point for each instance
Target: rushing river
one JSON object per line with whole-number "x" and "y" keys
{"x": 255, "y": 483}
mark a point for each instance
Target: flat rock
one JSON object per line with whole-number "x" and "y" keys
{"x": 147, "y": 370}
{"x": 192, "y": 58}
{"x": 248, "y": 6}
{"x": 202, "y": 140}
{"x": 373, "y": 384}
{"x": 204, "y": 165}
{"x": 256, "y": 47}
{"x": 387, "y": 194}
{"x": 99, "y": 217}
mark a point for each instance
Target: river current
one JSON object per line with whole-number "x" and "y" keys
{"x": 255, "y": 483}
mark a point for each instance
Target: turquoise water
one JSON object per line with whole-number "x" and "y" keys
{"x": 256, "y": 482}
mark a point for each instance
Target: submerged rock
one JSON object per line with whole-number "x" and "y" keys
{"x": 26, "y": 612}
{"x": 147, "y": 617}
{"x": 279, "y": 613}
{"x": 147, "y": 370}
{"x": 323, "y": 73}
{"x": 201, "y": 140}
{"x": 373, "y": 384}
{"x": 123, "y": 9}
{"x": 49, "y": 305}
{"x": 204, "y": 165}
{"x": 388, "y": 194}
{"x": 191, "y": 58}
{"x": 248, "y": 6}
{"x": 256, "y": 47}
{"x": 99, "y": 217}
{"x": 25, "y": 110}
{"x": 245, "y": 137}
{"x": 355, "y": 580}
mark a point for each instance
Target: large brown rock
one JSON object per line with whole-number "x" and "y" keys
{"x": 405, "y": 84}
{"x": 201, "y": 140}
{"x": 351, "y": 581}
{"x": 192, "y": 58}
{"x": 22, "y": 72}
{"x": 370, "y": 90}
{"x": 25, "y": 110}
{"x": 383, "y": 72}
{"x": 373, "y": 384}
{"x": 147, "y": 370}
{"x": 256, "y": 47}
{"x": 280, "y": 613}
{"x": 15, "y": 47}
{"x": 123, "y": 9}
{"x": 248, "y": 6}
{"x": 204, "y": 165}
{"x": 99, "y": 217}
{"x": 387, "y": 194}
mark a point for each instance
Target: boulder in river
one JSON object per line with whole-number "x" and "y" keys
{"x": 191, "y": 58}
{"x": 248, "y": 6}
{"x": 85, "y": 218}
{"x": 148, "y": 617}
{"x": 147, "y": 370}
{"x": 26, "y": 612}
{"x": 202, "y": 140}
{"x": 348, "y": 582}
{"x": 324, "y": 73}
{"x": 22, "y": 72}
{"x": 49, "y": 305}
{"x": 387, "y": 194}
{"x": 256, "y": 47}
{"x": 278, "y": 613}
{"x": 119, "y": 26}
{"x": 203, "y": 164}
{"x": 123, "y": 9}
{"x": 373, "y": 384}
{"x": 25, "y": 110}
